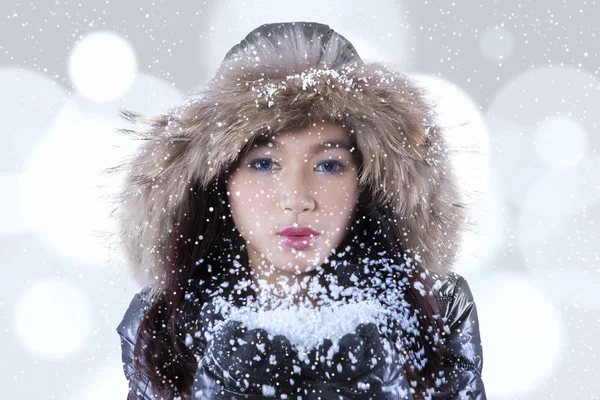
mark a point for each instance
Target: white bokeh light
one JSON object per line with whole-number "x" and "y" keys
{"x": 11, "y": 214}
{"x": 497, "y": 43}
{"x": 105, "y": 381}
{"x": 564, "y": 191}
{"x": 465, "y": 132}
{"x": 29, "y": 101}
{"x": 150, "y": 95}
{"x": 486, "y": 232}
{"x": 64, "y": 194}
{"x": 562, "y": 253}
{"x": 560, "y": 141}
{"x": 523, "y": 112}
{"x": 102, "y": 66}
{"x": 63, "y": 187}
{"x": 369, "y": 50}
{"x": 467, "y": 138}
{"x": 522, "y": 336}
{"x": 514, "y": 167}
{"x": 53, "y": 318}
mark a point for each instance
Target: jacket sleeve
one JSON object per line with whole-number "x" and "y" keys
{"x": 127, "y": 331}
{"x": 465, "y": 364}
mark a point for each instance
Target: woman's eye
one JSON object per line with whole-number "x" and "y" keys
{"x": 266, "y": 164}
{"x": 263, "y": 164}
{"x": 331, "y": 166}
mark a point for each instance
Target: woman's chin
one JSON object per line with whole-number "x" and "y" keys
{"x": 289, "y": 261}
{"x": 297, "y": 269}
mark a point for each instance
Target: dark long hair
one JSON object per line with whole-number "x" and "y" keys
{"x": 203, "y": 244}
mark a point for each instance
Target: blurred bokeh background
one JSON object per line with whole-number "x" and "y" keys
{"x": 517, "y": 86}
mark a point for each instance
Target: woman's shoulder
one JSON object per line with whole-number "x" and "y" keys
{"x": 449, "y": 285}
{"x": 454, "y": 296}
{"x": 134, "y": 314}
{"x": 463, "y": 340}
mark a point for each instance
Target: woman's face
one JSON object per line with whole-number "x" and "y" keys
{"x": 305, "y": 178}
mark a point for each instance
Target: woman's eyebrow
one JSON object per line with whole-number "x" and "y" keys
{"x": 313, "y": 149}
{"x": 331, "y": 144}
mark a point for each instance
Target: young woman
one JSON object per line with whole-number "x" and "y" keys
{"x": 294, "y": 227}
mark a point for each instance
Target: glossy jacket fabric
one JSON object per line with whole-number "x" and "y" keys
{"x": 319, "y": 76}
{"x": 384, "y": 381}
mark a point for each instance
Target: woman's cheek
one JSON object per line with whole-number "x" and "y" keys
{"x": 250, "y": 202}
{"x": 241, "y": 188}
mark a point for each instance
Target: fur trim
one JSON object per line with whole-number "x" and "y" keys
{"x": 405, "y": 157}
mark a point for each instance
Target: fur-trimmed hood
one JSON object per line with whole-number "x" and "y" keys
{"x": 405, "y": 158}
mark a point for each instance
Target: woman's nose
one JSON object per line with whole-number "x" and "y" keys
{"x": 296, "y": 194}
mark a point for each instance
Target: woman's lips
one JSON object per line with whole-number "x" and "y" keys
{"x": 298, "y": 242}
{"x": 298, "y": 237}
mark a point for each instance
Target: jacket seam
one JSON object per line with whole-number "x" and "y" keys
{"x": 467, "y": 365}
{"x": 453, "y": 294}
{"x": 456, "y": 287}
{"x": 463, "y": 363}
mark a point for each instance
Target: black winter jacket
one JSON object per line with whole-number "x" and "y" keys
{"x": 385, "y": 381}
